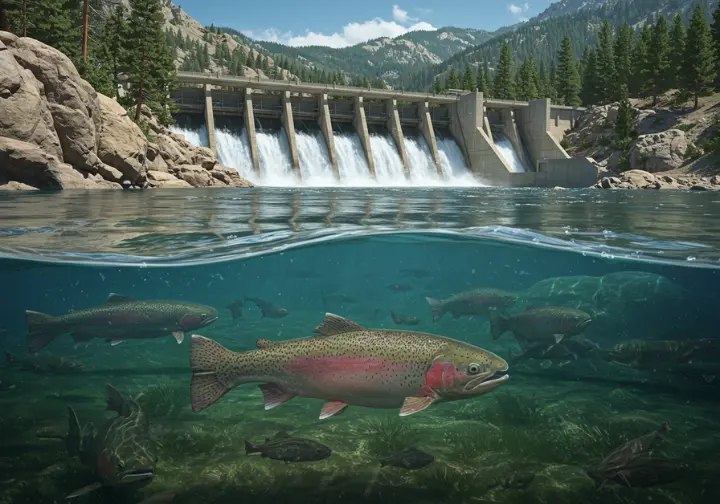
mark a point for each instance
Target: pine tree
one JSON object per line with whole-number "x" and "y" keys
{"x": 527, "y": 79}
{"x": 437, "y": 87}
{"x": 623, "y": 122}
{"x": 452, "y": 80}
{"x": 250, "y": 61}
{"x": 150, "y": 66}
{"x": 699, "y": 63}
{"x": 552, "y": 83}
{"x": 482, "y": 85}
{"x": 590, "y": 93}
{"x": 606, "y": 63}
{"x": 259, "y": 62}
{"x": 715, "y": 33}
{"x": 468, "y": 80}
{"x": 504, "y": 85}
{"x": 114, "y": 36}
{"x": 677, "y": 44}
{"x": 638, "y": 81}
{"x": 567, "y": 75}
{"x": 487, "y": 78}
{"x": 623, "y": 55}
{"x": 658, "y": 59}
{"x": 543, "y": 80}
{"x": 57, "y": 24}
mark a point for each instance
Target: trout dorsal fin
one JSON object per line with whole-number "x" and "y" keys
{"x": 264, "y": 343}
{"x": 335, "y": 324}
{"x": 118, "y": 299}
{"x": 118, "y": 403}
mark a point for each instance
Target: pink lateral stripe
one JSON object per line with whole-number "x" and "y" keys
{"x": 340, "y": 368}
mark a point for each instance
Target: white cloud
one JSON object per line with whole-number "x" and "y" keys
{"x": 400, "y": 15}
{"x": 351, "y": 34}
{"x": 519, "y": 11}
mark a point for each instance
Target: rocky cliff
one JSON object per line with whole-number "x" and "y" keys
{"x": 664, "y": 153}
{"x": 57, "y": 132}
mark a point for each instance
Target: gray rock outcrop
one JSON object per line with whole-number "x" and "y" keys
{"x": 659, "y": 152}
{"x": 639, "y": 179}
{"x": 57, "y": 132}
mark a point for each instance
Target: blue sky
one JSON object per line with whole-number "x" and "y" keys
{"x": 338, "y": 23}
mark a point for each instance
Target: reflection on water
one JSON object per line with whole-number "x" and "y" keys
{"x": 562, "y": 352}
{"x": 219, "y": 224}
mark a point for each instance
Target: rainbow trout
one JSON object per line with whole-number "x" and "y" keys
{"x": 481, "y": 301}
{"x": 347, "y": 364}
{"x": 549, "y": 323}
{"x": 118, "y": 319}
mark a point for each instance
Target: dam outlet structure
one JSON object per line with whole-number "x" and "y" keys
{"x": 285, "y": 133}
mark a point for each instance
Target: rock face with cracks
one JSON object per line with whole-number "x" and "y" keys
{"x": 57, "y": 132}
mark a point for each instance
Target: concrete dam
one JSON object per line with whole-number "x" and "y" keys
{"x": 280, "y": 133}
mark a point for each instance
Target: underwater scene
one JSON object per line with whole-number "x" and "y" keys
{"x": 419, "y": 346}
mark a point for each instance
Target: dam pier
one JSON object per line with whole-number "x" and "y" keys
{"x": 502, "y": 142}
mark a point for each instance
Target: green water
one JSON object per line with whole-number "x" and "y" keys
{"x": 642, "y": 265}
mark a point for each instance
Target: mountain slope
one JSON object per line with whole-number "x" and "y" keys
{"x": 541, "y": 36}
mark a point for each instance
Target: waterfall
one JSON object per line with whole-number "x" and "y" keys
{"x": 389, "y": 170}
{"x": 352, "y": 163}
{"x": 508, "y": 152}
{"x": 196, "y": 136}
{"x": 234, "y": 152}
{"x": 233, "y": 149}
{"x": 275, "y": 164}
{"x": 315, "y": 166}
{"x": 453, "y": 164}
{"x": 422, "y": 166}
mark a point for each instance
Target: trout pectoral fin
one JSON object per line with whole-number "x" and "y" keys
{"x": 415, "y": 404}
{"x": 116, "y": 342}
{"x": 179, "y": 336}
{"x": 274, "y": 396}
{"x": 84, "y": 490}
{"x": 558, "y": 337}
{"x": 331, "y": 408}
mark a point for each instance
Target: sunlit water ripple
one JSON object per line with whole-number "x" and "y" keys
{"x": 180, "y": 227}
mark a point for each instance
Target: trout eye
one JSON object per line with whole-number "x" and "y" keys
{"x": 473, "y": 369}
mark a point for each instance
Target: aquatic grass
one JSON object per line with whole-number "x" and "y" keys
{"x": 164, "y": 399}
{"x": 386, "y": 436}
{"x": 515, "y": 409}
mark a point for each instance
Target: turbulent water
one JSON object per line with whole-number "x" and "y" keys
{"x": 642, "y": 267}
{"x": 508, "y": 152}
{"x": 316, "y": 168}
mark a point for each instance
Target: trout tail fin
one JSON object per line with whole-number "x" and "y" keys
{"x": 498, "y": 324}
{"x": 251, "y": 448}
{"x": 41, "y": 330}
{"x": 206, "y": 358}
{"x": 437, "y": 307}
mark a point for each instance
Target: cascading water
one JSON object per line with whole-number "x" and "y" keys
{"x": 274, "y": 153}
{"x": 352, "y": 163}
{"x": 453, "y": 165}
{"x": 315, "y": 166}
{"x": 389, "y": 170}
{"x": 196, "y": 136}
{"x": 422, "y": 167}
{"x": 234, "y": 152}
{"x": 508, "y": 152}
{"x": 233, "y": 148}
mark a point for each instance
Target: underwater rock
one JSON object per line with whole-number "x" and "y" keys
{"x": 409, "y": 459}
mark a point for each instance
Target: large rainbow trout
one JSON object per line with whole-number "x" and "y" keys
{"x": 348, "y": 364}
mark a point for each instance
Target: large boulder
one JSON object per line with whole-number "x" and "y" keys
{"x": 196, "y": 176}
{"x": 72, "y": 101}
{"x": 639, "y": 179}
{"x": 122, "y": 143}
{"x": 24, "y": 112}
{"x": 659, "y": 152}
{"x": 29, "y": 164}
{"x": 229, "y": 177}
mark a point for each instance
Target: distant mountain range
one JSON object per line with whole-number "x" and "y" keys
{"x": 412, "y": 60}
